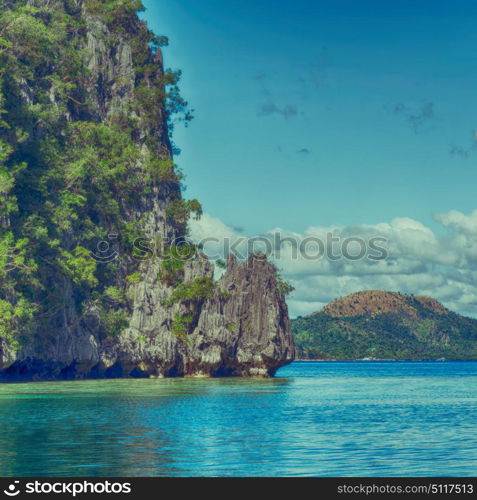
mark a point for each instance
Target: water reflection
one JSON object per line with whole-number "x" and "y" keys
{"x": 320, "y": 419}
{"x": 125, "y": 427}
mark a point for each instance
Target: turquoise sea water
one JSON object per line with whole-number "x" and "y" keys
{"x": 322, "y": 419}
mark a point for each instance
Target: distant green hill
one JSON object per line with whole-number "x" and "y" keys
{"x": 385, "y": 325}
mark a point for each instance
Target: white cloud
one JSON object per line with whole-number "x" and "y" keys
{"x": 458, "y": 221}
{"x": 419, "y": 261}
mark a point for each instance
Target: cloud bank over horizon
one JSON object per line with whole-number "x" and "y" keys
{"x": 420, "y": 261}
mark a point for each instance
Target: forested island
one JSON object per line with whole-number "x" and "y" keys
{"x": 385, "y": 325}
{"x": 87, "y": 181}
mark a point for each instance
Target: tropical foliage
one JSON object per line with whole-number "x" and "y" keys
{"x": 68, "y": 179}
{"x": 386, "y": 336}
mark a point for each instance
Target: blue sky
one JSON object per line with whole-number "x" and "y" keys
{"x": 345, "y": 66}
{"x": 322, "y": 113}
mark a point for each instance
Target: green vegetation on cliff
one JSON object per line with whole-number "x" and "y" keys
{"x": 383, "y": 325}
{"x": 74, "y": 165}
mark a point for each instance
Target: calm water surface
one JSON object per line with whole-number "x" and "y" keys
{"x": 323, "y": 419}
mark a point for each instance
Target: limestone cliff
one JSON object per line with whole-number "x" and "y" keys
{"x": 237, "y": 326}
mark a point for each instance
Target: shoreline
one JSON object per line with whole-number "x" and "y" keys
{"x": 386, "y": 360}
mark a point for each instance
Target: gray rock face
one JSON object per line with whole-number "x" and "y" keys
{"x": 241, "y": 329}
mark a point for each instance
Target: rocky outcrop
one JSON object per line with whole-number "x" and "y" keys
{"x": 241, "y": 328}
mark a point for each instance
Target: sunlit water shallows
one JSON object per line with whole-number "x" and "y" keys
{"x": 323, "y": 419}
